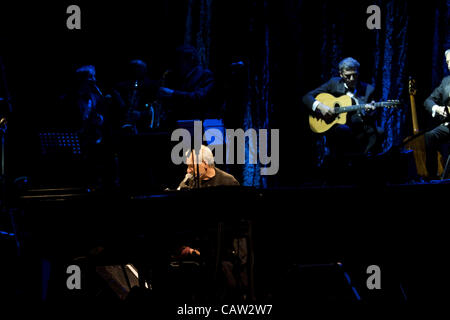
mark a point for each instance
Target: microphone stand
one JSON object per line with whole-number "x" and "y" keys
{"x": 3, "y": 133}
{"x": 197, "y": 175}
{"x": 196, "y": 152}
{"x": 3, "y": 129}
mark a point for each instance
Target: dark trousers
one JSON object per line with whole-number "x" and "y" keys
{"x": 349, "y": 147}
{"x": 347, "y": 140}
{"x": 434, "y": 141}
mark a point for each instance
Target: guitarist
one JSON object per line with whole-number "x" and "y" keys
{"x": 437, "y": 105}
{"x": 360, "y": 128}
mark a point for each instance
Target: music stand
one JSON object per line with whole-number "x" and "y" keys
{"x": 59, "y": 143}
{"x": 61, "y": 157}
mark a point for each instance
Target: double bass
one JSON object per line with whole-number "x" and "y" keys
{"x": 416, "y": 142}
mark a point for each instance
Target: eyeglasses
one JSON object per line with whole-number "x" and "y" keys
{"x": 349, "y": 76}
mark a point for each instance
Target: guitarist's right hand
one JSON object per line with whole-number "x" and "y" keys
{"x": 325, "y": 112}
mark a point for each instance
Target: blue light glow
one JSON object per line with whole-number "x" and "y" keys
{"x": 7, "y": 233}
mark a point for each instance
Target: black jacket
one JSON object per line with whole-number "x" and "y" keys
{"x": 194, "y": 97}
{"x": 440, "y": 96}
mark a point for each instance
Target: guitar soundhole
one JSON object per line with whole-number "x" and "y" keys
{"x": 336, "y": 108}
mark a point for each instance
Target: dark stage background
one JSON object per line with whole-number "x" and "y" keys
{"x": 289, "y": 47}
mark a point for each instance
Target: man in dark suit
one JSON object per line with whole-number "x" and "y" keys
{"x": 437, "y": 105}
{"x": 190, "y": 90}
{"x": 83, "y": 109}
{"x": 359, "y": 135}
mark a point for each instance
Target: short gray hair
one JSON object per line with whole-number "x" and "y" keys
{"x": 348, "y": 64}
{"x": 205, "y": 154}
{"x": 90, "y": 69}
{"x": 447, "y": 52}
{"x": 139, "y": 63}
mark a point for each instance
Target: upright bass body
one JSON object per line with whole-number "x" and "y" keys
{"x": 416, "y": 142}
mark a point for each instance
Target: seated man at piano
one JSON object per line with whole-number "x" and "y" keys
{"x": 211, "y": 176}
{"x": 359, "y": 134}
{"x": 208, "y": 174}
{"x": 437, "y": 104}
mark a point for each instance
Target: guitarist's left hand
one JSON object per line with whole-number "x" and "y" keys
{"x": 369, "y": 108}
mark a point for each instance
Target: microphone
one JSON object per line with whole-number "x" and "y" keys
{"x": 93, "y": 85}
{"x": 106, "y": 96}
{"x": 98, "y": 90}
{"x": 186, "y": 178}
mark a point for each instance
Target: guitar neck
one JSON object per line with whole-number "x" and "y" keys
{"x": 355, "y": 107}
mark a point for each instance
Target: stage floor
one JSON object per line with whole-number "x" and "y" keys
{"x": 400, "y": 228}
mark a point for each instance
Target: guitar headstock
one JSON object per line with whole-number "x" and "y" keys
{"x": 392, "y": 103}
{"x": 412, "y": 86}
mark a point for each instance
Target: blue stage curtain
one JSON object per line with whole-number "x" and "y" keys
{"x": 258, "y": 105}
{"x": 198, "y": 28}
{"x": 390, "y": 72}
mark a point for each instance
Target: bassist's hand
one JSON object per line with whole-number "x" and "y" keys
{"x": 440, "y": 110}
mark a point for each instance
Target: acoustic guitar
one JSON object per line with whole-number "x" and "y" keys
{"x": 416, "y": 142}
{"x": 341, "y": 106}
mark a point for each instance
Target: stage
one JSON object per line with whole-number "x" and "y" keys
{"x": 92, "y": 96}
{"x": 298, "y": 236}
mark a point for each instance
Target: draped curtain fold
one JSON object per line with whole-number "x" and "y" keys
{"x": 392, "y": 47}
{"x": 198, "y": 28}
{"x": 258, "y": 106}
